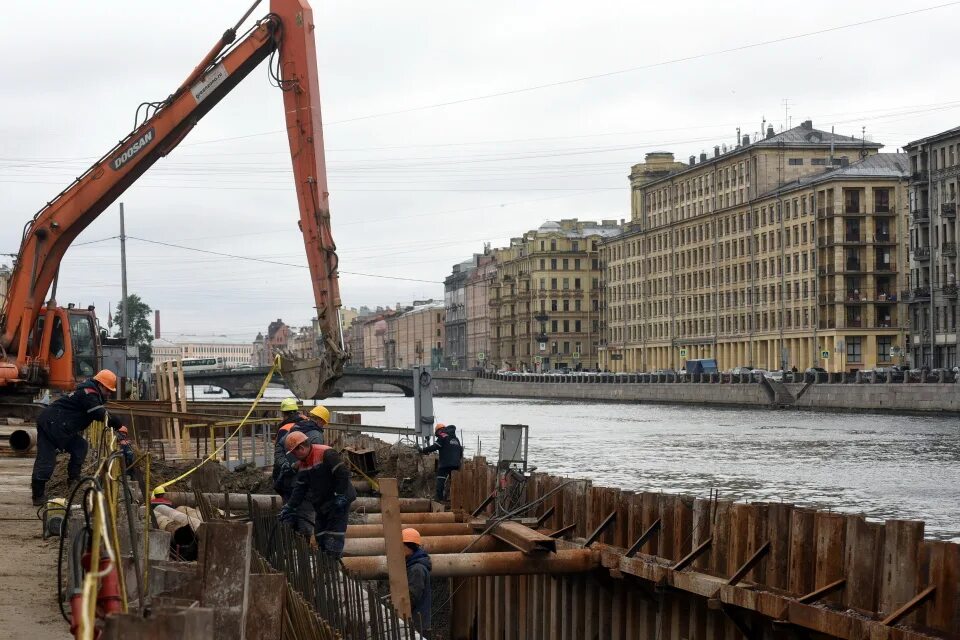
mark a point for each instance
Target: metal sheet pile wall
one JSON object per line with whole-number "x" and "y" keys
{"x": 705, "y": 567}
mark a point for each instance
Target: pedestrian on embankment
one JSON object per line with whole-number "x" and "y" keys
{"x": 323, "y": 480}
{"x": 61, "y": 425}
{"x": 450, "y": 455}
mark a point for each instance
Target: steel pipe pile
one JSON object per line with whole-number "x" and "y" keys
{"x": 241, "y": 502}
{"x": 441, "y": 529}
{"x": 498, "y": 563}
{"x": 431, "y": 544}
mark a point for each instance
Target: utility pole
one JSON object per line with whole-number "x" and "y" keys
{"x": 125, "y": 318}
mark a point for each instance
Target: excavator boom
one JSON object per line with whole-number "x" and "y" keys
{"x": 286, "y": 35}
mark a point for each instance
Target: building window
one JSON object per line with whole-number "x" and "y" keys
{"x": 553, "y": 245}
{"x": 795, "y": 161}
{"x": 566, "y": 326}
{"x": 566, "y": 264}
{"x": 818, "y": 161}
{"x": 854, "y": 349}
{"x": 576, "y": 328}
{"x": 553, "y": 264}
{"x": 543, "y": 264}
{"x": 553, "y": 326}
{"x": 553, "y": 283}
{"x": 553, "y": 305}
{"x": 884, "y": 345}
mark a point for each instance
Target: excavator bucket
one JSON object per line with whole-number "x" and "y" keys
{"x": 311, "y": 378}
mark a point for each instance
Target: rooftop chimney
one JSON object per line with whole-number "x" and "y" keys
{"x": 806, "y": 124}
{"x": 746, "y": 140}
{"x": 156, "y": 324}
{"x": 703, "y": 157}
{"x": 693, "y": 160}
{"x": 716, "y": 151}
{"x": 770, "y": 132}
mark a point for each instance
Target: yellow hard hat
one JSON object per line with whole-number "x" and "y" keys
{"x": 321, "y": 412}
{"x": 411, "y": 535}
{"x": 159, "y": 491}
{"x": 107, "y": 378}
{"x": 288, "y": 404}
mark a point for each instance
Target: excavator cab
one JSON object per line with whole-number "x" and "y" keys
{"x": 66, "y": 340}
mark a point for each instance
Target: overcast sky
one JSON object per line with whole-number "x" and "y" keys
{"x": 413, "y": 193}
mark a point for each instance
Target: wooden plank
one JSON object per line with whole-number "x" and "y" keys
{"x": 802, "y": 552}
{"x": 524, "y": 538}
{"x": 900, "y": 564}
{"x": 182, "y": 392}
{"x": 943, "y": 572}
{"x": 265, "y": 616}
{"x": 830, "y": 530}
{"x": 225, "y": 571}
{"x": 396, "y": 559}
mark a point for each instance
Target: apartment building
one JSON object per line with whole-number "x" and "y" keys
{"x": 545, "y": 298}
{"x": 934, "y": 167}
{"x": 785, "y": 252}
{"x": 233, "y": 353}
{"x": 476, "y": 296}
{"x": 455, "y": 308}
{"x": 419, "y": 334}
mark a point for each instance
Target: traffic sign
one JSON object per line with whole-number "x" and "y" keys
{"x": 481, "y": 356}
{"x": 825, "y": 355}
{"x": 538, "y": 359}
{"x": 683, "y": 353}
{"x": 576, "y": 355}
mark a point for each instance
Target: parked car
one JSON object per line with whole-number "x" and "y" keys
{"x": 738, "y": 371}
{"x": 664, "y": 372}
{"x": 880, "y": 373}
{"x": 759, "y": 373}
{"x": 774, "y": 375}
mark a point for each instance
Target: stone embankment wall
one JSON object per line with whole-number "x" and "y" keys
{"x": 914, "y": 397}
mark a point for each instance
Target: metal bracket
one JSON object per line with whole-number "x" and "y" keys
{"x": 610, "y": 519}
{"x": 642, "y": 540}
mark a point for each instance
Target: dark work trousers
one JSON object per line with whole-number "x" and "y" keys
{"x": 443, "y": 483}
{"x": 46, "y": 459}
{"x": 331, "y": 529}
{"x": 305, "y": 519}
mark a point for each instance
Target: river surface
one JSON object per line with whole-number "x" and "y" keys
{"x": 884, "y": 466}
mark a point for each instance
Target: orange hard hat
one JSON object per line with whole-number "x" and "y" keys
{"x": 107, "y": 378}
{"x": 439, "y": 426}
{"x": 294, "y": 440}
{"x": 411, "y": 536}
{"x": 123, "y": 428}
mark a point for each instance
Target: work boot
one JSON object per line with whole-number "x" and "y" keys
{"x": 38, "y": 494}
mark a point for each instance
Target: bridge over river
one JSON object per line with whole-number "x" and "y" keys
{"x": 244, "y": 383}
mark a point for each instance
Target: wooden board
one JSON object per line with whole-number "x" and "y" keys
{"x": 396, "y": 559}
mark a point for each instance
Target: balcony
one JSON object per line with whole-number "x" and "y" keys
{"x": 884, "y": 237}
{"x": 826, "y": 212}
{"x": 882, "y": 210}
{"x": 920, "y": 215}
{"x": 921, "y": 253}
{"x": 950, "y": 291}
{"x": 825, "y": 241}
{"x": 853, "y": 265}
{"x": 854, "y": 323}
{"x": 948, "y": 249}
{"x": 920, "y": 176}
{"x": 827, "y": 270}
{"x": 948, "y": 209}
{"x": 852, "y": 238}
{"x": 919, "y": 294}
{"x": 854, "y": 297}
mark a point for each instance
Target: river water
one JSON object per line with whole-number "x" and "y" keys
{"x": 884, "y": 466}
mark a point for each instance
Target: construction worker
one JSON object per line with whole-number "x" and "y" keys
{"x": 159, "y": 497}
{"x": 450, "y": 455}
{"x": 321, "y": 415}
{"x": 323, "y": 479}
{"x": 418, "y": 580}
{"x": 60, "y": 427}
{"x": 283, "y": 463}
{"x": 126, "y": 446}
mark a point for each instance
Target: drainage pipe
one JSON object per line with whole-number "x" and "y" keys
{"x": 23, "y": 440}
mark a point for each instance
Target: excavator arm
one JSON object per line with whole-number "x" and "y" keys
{"x": 286, "y": 36}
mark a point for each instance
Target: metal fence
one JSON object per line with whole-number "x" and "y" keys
{"x": 349, "y": 606}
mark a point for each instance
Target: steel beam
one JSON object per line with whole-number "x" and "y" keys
{"x": 523, "y": 538}
{"x": 504, "y": 563}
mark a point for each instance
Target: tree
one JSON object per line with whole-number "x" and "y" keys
{"x": 141, "y": 332}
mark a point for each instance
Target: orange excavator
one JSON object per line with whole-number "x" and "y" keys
{"x": 43, "y": 345}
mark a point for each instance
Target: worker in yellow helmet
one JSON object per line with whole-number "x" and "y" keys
{"x": 284, "y": 473}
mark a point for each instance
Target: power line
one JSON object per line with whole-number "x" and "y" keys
{"x": 651, "y": 65}
{"x": 275, "y": 262}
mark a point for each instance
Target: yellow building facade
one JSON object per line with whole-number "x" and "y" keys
{"x": 545, "y": 297}
{"x": 787, "y": 252}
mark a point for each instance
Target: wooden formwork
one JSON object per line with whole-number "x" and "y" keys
{"x": 697, "y": 568}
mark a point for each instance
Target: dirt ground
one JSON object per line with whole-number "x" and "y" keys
{"x": 28, "y": 564}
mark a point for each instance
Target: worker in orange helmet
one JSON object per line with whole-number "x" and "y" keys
{"x": 418, "y": 579}
{"x": 449, "y": 458}
{"x": 323, "y": 480}
{"x": 60, "y": 427}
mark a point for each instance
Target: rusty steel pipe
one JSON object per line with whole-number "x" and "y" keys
{"x": 238, "y": 502}
{"x": 497, "y": 563}
{"x": 190, "y": 518}
{"x": 427, "y": 529}
{"x": 23, "y": 440}
{"x": 431, "y": 544}
{"x": 413, "y": 519}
